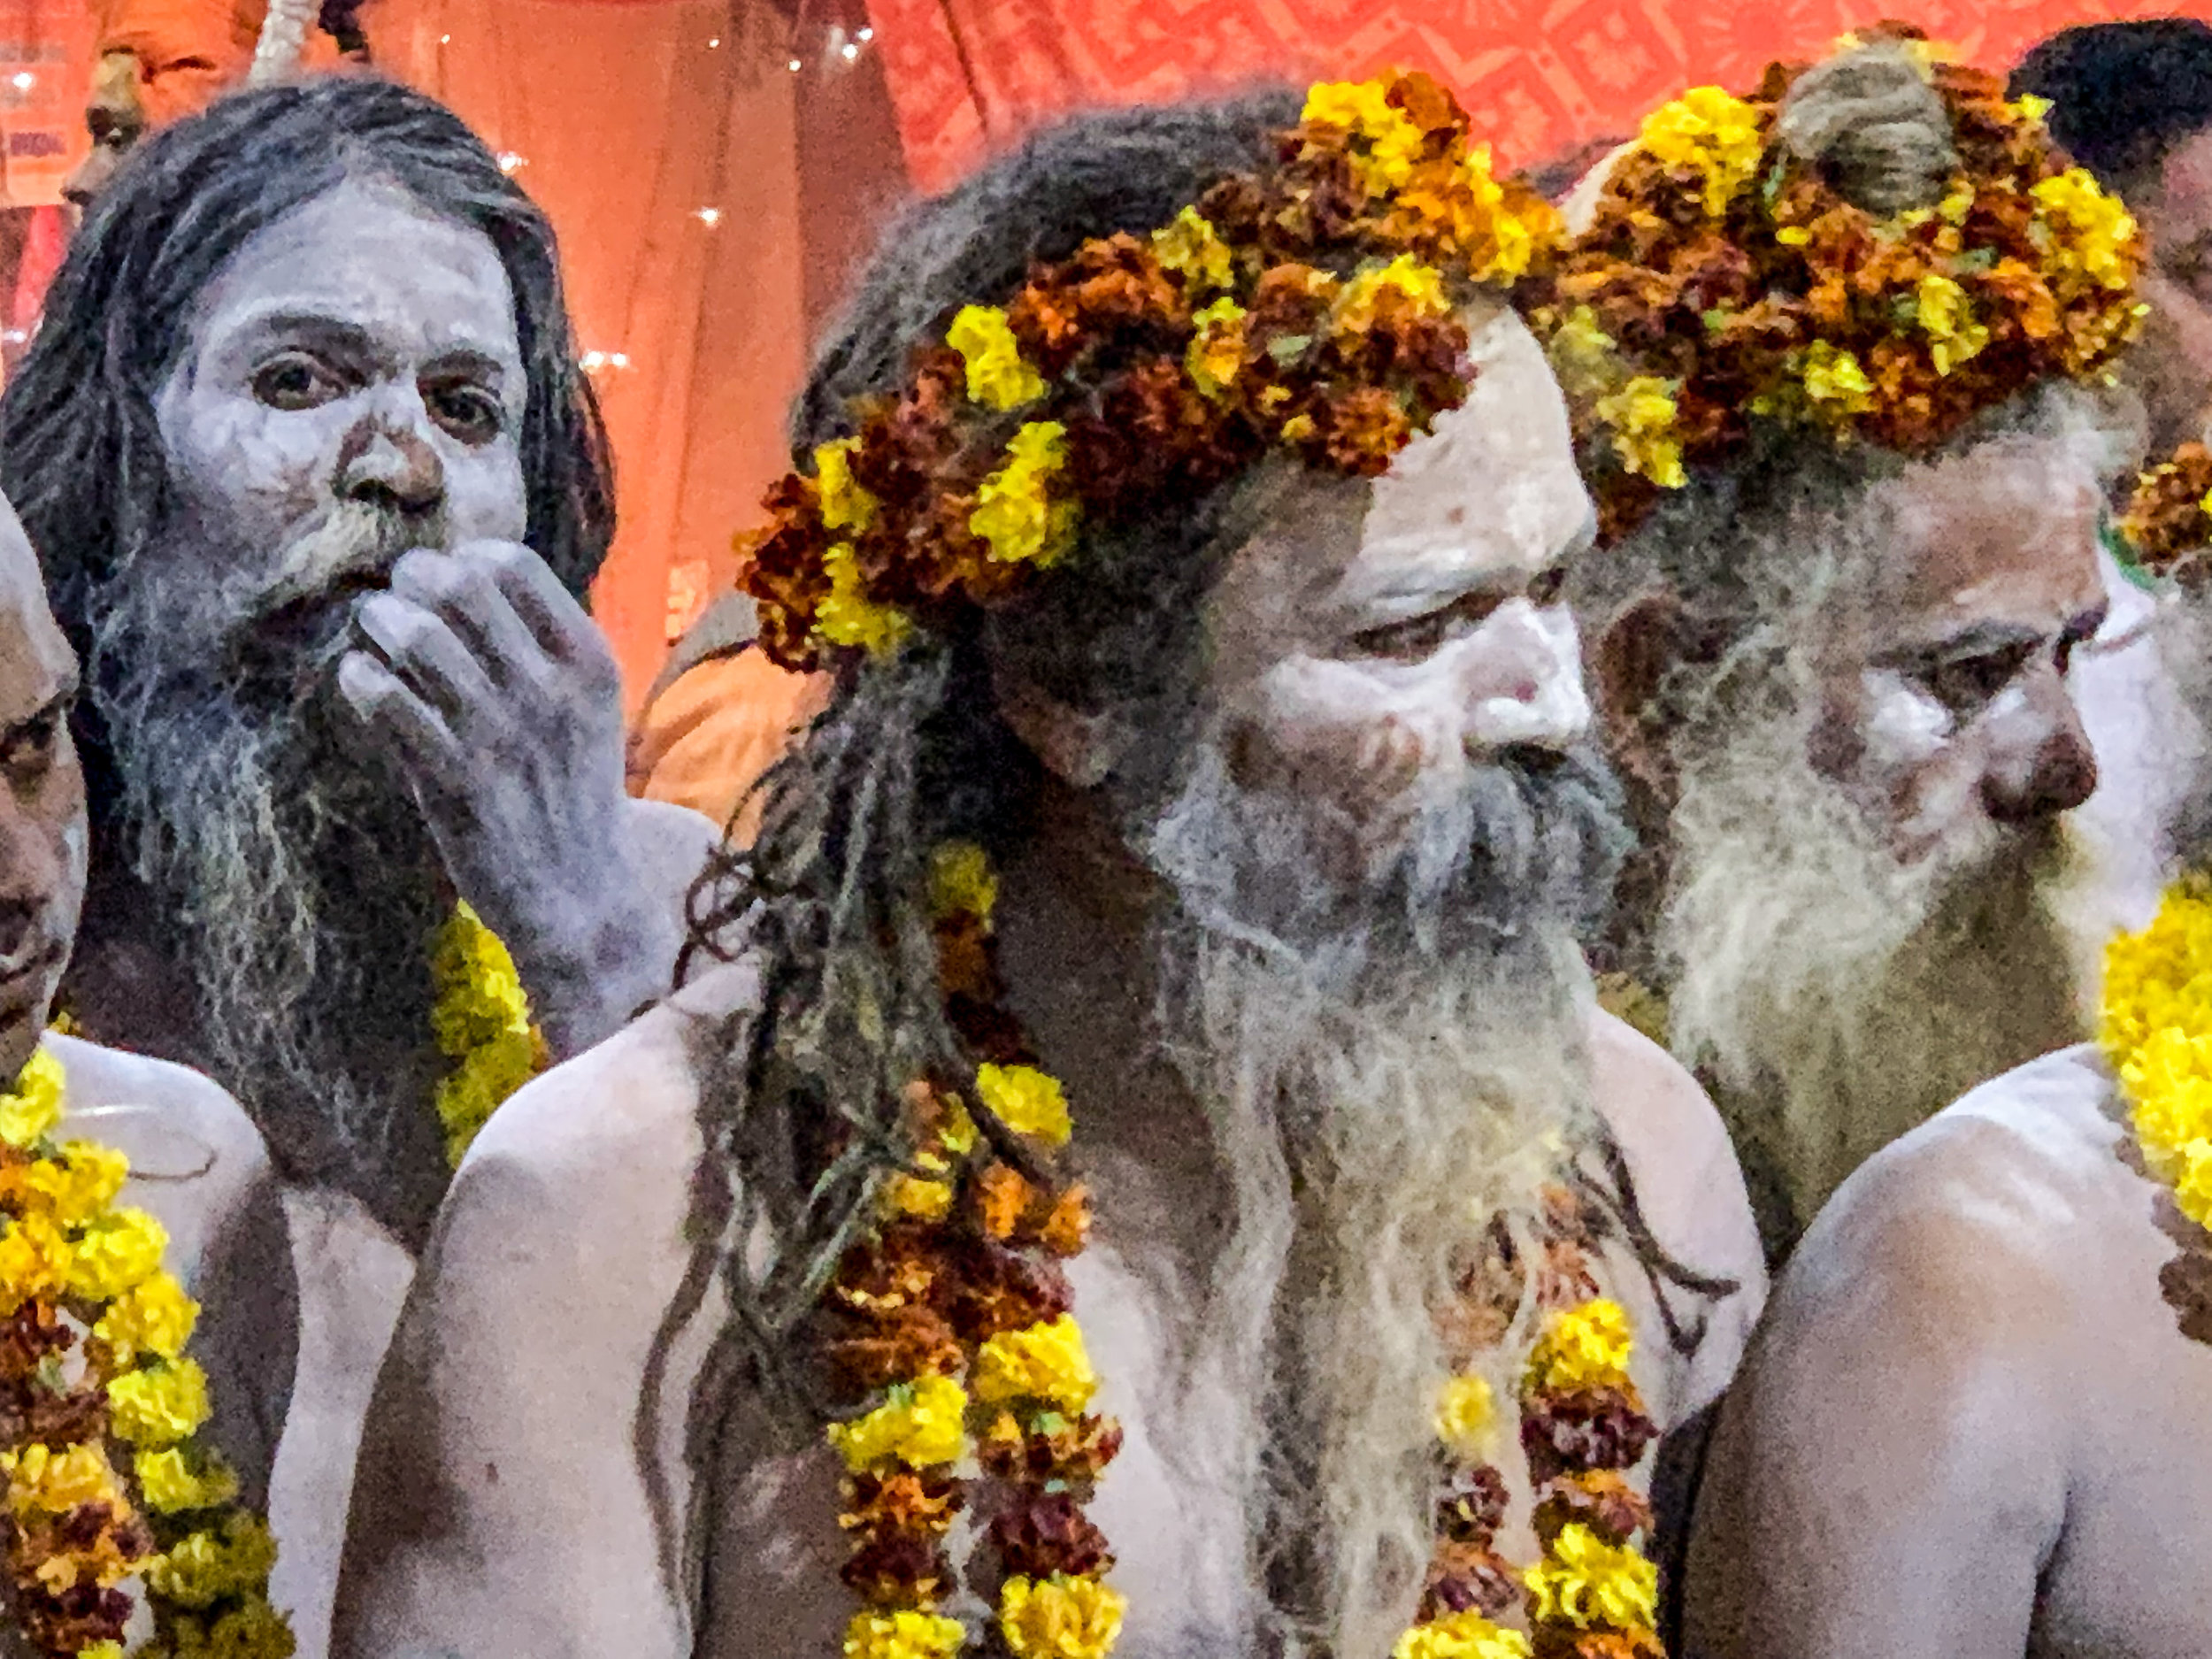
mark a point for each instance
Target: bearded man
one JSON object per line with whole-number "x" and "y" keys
{"x": 1285, "y": 778}
{"x": 1856, "y": 546}
{"x": 316, "y": 479}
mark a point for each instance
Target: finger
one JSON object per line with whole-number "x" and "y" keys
{"x": 462, "y": 593}
{"x": 547, "y": 609}
{"x": 426, "y": 653}
{"x": 415, "y": 734}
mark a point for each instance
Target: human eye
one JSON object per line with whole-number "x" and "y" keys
{"x": 468, "y": 410}
{"x": 1420, "y": 636}
{"x": 298, "y": 379}
{"x": 27, "y": 749}
{"x": 1964, "y": 683}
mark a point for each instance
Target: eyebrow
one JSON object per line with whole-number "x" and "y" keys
{"x": 352, "y": 338}
{"x": 1974, "y": 640}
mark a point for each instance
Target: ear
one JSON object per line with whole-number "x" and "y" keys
{"x": 1629, "y": 661}
{"x": 1082, "y": 750}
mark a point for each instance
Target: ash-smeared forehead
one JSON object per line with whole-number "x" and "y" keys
{"x": 36, "y": 665}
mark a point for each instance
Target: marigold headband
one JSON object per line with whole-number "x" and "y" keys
{"x": 1726, "y": 280}
{"x": 1311, "y": 307}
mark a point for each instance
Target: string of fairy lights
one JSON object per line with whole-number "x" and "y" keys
{"x": 841, "y": 45}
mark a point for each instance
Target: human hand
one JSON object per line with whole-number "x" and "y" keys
{"x": 499, "y": 702}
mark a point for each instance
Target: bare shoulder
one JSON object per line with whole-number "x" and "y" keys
{"x": 1688, "y": 1185}
{"x": 1980, "y": 1216}
{"x": 107, "y": 1082}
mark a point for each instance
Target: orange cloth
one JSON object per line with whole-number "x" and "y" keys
{"x": 703, "y": 741}
{"x": 190, "y": 52}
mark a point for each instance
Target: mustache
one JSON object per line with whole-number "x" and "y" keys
{"x": 354, "y": 548}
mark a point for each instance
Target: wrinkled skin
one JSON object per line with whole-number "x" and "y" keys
{"x": 503, "y": 1511}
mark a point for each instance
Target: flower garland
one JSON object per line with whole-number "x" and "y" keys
{"x": 2157, "y": 1009}
{"x": 1724, "y": 281}
{"x": 1310, "y": 308}
{"x": 955, "y": 1317}
{"x": 2167, "y": 523}
{"x": 106, "y": 1478}
{"x": 1583, "y": 1426}
{"x": 482, "y": 1021}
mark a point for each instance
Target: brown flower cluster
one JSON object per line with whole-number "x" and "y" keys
{"x": 1690, "y": 309}
{"x": 1310, "y": 307}
{"x": 2167, "y": 522}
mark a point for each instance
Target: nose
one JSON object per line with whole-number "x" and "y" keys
{"x": 90, "y": 176}
{"x": 1525, "y": 680}
{"x": 2044, "y": 766}
{"x": 385, "y": 463}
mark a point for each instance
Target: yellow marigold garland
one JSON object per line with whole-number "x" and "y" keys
{"x": 93, "y": 1361}
{"x": 482, "y": 1025}
{"x": 2155, "y": 1028}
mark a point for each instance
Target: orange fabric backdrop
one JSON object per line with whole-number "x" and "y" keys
{"x": 1539, "y": 75}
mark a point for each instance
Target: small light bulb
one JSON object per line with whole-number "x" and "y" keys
{"x": 864, "y": 34}
{"x": 24, "y": 82}
{"x": 848, "y": 51}
{"x": 445, "y": 40}
{"x": 715, "y": 44}
{"x": 797, "y": 65}
{"x": 709, "y": 216}
{"x": 620, "y": 359}
{"x": 510, "y": 162}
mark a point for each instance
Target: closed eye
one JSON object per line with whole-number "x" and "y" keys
{"x": 1418, "y": 637}
{"x": 1963, "y": 684}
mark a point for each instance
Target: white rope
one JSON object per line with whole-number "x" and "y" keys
{"x": 283, "y": 40}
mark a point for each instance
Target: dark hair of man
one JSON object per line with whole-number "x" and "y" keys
{"x": 2123, "y": 94}
{"x": 911, "y": 752}
{"x": 80, "y": 454}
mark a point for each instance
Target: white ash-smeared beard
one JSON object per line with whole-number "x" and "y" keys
{"x": 1839, "y": 997}
{"x": 297, "y": 883}
{"x": 1386, "y": 1066}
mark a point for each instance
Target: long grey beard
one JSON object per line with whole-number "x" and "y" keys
{"x": 1838, "y": 997}
{"x": 1380, "y": 1089}
{"x": 294, "y": 877}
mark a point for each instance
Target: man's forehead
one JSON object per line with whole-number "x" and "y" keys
{"x": 367, "y": 254}
{"x": 2007, "y": 530}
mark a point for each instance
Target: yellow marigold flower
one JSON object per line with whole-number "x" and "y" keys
{"x": 997, "y": 377}
{"x": 1587, "y": 1583}
{"x": 153, "y": 1317}
{"x": 1217, "y": 349}
{"x": 34, "y": 1257}
{"x": 160, "y": 1405}
{"x": 1793, "y": 237}
{"x": 2091, "y": 233}
{"x": 1642, "y": 416}
{"x": 1014, "y": 509}
{"x": 1461, "y": 1636}
{"x": 1707, "y": 132}
{"x": 1832, "y": 376}
{"x": 1060, "y": 1617}
{"x": 120, "y": 1252}
{"x": 1946, "y": 317}
{"x": 961, "y": 882}
{"x": 919, "y": 1424}
{"x": 101, "y": 1650}
{"x": 78, "y": 1184}
{"x": 44, "y": 1480}
{"x": 171, "y": 1482}
{"x": 922, "y": 1200}
{"x": 1045, "y": 1362}
{"x": 1192, "y": 249}
{"x": 29, "y": 1112}
{"x": 1364, "y": 109}
{"x": 1026, "y": 1100}
{"x": 2028, "y": 107}
{"x": 210, "y": 1565}
{"x": 1466, "y": 1417}
{"x": 903, "y": 1635}
{"x": 848, "y": 616}
{"x": 843, "y": 503}
{"x": 479, "y": 989}
{"x": 1585, "y": 359}
{"x": 1582, "y": 1348}
{"x": 1421, "y": 284}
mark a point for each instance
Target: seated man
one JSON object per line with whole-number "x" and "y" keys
{"x": 103, "y": 1464}
{"x": 1207, "y": 733}
{"x": 1845, "y": 444}
{"x": 317, "y": 481}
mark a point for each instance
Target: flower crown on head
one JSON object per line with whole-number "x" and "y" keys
{"x": 2168, "y": 523}
{"x": 1724, "y": 279}
{"x": 1311, "y": 306}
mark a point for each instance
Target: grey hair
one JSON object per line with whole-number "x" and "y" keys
{"x": 1874, "y": 127}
